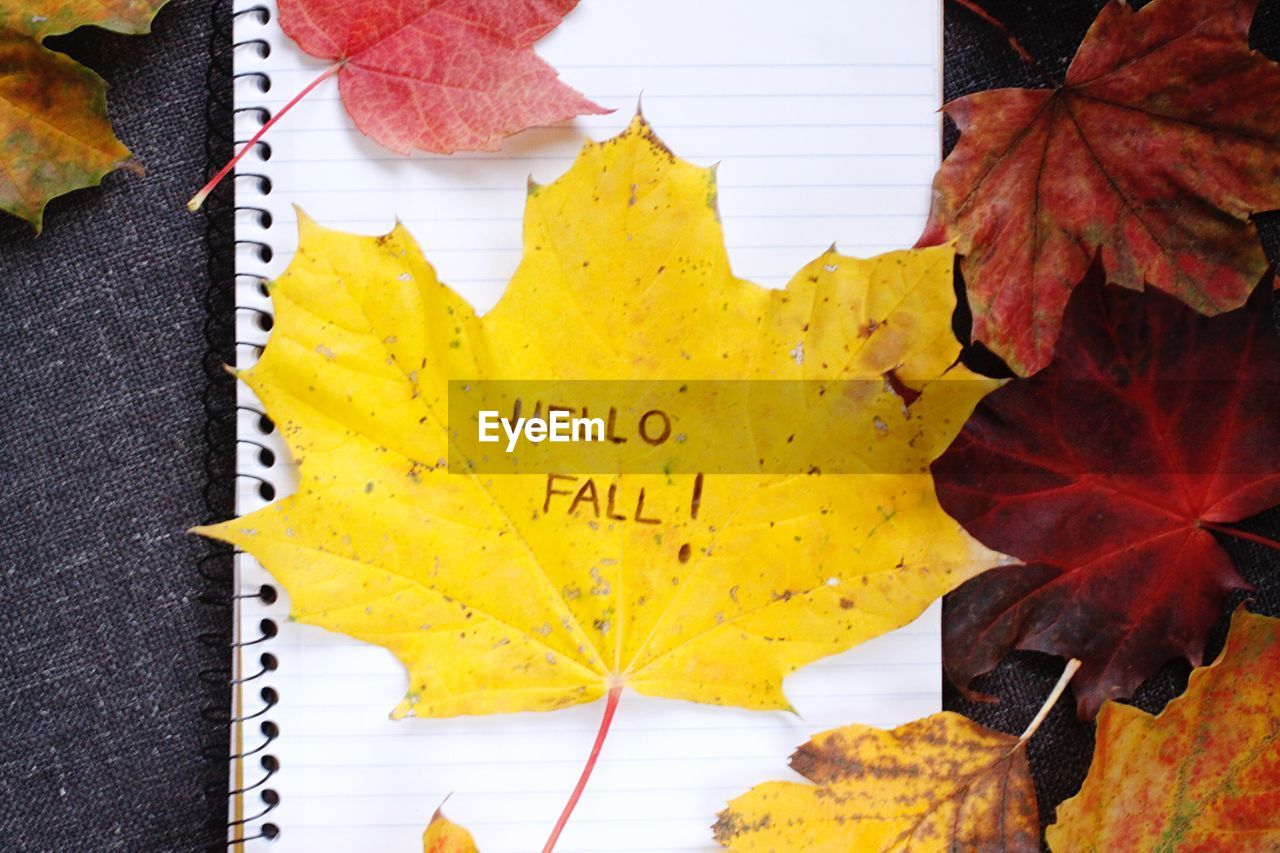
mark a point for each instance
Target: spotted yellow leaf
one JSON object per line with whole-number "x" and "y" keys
{"x": 504, "y": 593}
{"x": 940, "y": 783}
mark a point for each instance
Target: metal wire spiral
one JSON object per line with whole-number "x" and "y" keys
{"x": 222, "y": 411}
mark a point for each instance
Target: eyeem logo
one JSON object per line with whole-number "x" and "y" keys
{"x": 557, "y": 427}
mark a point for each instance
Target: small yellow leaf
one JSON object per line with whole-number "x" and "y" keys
{"x": 940, "y": 783}
{"x": 525, "y": 592}
{"x": 444, "y": 836}
{"x": 1202, "y": 775}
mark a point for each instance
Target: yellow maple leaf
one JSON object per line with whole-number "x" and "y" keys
{"x": 940, "y": 783}
{"x": 504, "y": 593}
{"x": 1202, "y": 775}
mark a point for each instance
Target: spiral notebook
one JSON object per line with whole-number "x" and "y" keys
{"x": 822, "y": 115}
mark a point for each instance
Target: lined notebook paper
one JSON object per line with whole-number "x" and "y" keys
{"x": 822, "y": 115}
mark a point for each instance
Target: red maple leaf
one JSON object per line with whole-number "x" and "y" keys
{"x": 1162, "y": 141}
{"x": 439, "y": 75}
{"x": 445, "y": 76}
{"x": 1106, "y": 473}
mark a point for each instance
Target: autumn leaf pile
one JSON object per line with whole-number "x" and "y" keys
{"x": 1108, "y": 255}
{"x": 1102, "y": 231}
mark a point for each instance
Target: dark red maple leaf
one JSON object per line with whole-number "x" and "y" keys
{"x": 439, "y": 75}
{"x": 1162, "y": 141}
{"x": 1106, "y": 473}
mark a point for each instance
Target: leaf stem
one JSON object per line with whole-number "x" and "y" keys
{"x": 198, "y": 199}
{"x": 1241, "y": 534}
{"x": 610, "y": 706}
{"x": 1023, "y": 53}
{"x": 1067, "y": 673}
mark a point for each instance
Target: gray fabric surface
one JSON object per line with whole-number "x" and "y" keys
{"x": 100, "y": 474}
{"x": 101, "y": 467}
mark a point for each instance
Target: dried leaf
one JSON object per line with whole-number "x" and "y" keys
{"x": 940, "y": 783}
{"x": 131, "y": 17}
{"x": 1106, "y": 473}
{"x": 443, "y": 77}
{"x": 53, "y": 110}
{"x": 1202, "y": 775}
{"x": 1163, "y": 140}
{"x": 444, "y": 836}
{"x": 499, "y": 595}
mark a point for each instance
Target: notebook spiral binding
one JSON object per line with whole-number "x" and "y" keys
{"x": 241, "y": 453}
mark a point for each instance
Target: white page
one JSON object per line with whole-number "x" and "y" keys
{"x": 823, "y": 117}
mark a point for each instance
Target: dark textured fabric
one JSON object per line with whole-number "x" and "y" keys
{"x": 101, "y": 332}
{"x": 978, "y": 57}
{"x": 101, "y": 467}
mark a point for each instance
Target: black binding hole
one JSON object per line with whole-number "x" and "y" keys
{"x": 270, "y": 763}
{"x": 271, "y": 797}
{"x": 265, "y": 426}
{"x": 271, "y": 698}
{"x": 269, "y": 730}
{"x": 263, "y": 149}
{"x": 265, "y": 321}
{"x": 268, "y": 629}
{"x": 267, "y": 595}
{"x": 263, "y": 289}
{"x": 266, "y": 491}
{"x": 266, "y": 458}
{"x": 268, "y": 662}
{"x": 270, "y": 831}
